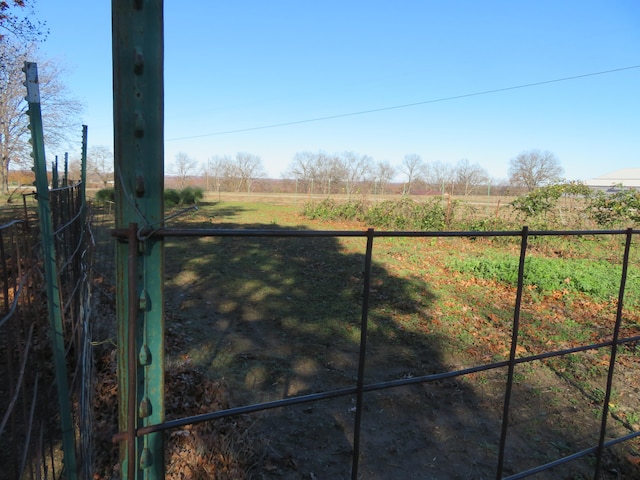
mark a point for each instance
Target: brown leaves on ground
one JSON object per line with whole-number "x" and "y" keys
{"x": 218, "y": 449}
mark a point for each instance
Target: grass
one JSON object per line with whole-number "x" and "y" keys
{"x": 421, "y": 282}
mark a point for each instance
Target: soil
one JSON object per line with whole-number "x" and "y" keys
{"x": 447, "y": 429}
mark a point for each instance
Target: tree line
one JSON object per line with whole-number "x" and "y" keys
{"x": 352, "y": 173}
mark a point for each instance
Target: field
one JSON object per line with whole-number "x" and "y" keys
{"x": 257, "y": 319}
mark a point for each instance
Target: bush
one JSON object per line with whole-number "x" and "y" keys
{"x": 106, "y": 195}
{"x": 329, "y": 209}
{"x": 190, "y": 195}
{"x": 621, "y": 208}
{"x": 171, "y": 197}
{"x": 405, "y": 214}
{"x": 542, "y": 207}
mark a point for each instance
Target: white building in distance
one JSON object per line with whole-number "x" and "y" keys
{"x": 627, "y": 178}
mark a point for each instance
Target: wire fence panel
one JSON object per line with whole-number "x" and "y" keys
{"x": 72, "y": 247}
{"x": 29, "y": 426}
{"x": 26, "y": 422}
{"x": 364, "y": 390}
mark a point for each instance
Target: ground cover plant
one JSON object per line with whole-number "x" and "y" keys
{"x": 257, "y": 319}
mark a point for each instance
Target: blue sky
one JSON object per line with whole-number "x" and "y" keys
{"x": 237, "y": 66}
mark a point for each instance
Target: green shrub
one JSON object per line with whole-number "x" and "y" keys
{"x": 404, "y": 214}
{"x": 171, "y": 197}
{"x": 324, "y": 210}
{"x": 106, "y": 195}
{"x": 621, "y": 208}
{"x": 542, "y": 207}
{"x": 190, "y": 195}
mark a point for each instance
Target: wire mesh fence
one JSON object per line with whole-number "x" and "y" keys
{"x": 30, "y": 431}
{"x": 25, "y": 429}
{"x": 365, "y": 391}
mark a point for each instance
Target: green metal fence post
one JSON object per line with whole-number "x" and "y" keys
{"x": 83, "y": 175}
{"x": 138, "y": 91}
{"x": 50, "y": 270}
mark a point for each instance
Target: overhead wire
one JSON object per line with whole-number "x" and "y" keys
{"x": 405, "y": 105}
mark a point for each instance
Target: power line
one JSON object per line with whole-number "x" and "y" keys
{"x": 406, "y": 105}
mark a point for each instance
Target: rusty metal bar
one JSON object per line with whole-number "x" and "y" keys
{"x": 131, "y": 350}
{"x": 614, "y": 351}
{"x": 512, "y": 352}
{"x": 150, "y": 232}
{"x": 362, "y": 357}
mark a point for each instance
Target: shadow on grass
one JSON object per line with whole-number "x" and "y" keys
{"x": 274, "y": 318}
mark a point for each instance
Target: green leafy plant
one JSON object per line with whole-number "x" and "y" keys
{"x": 597, "y": 279}
{"x": 190, "y": 195}
{"x": 404, "y": 214}
{"x": 106, "y": 195}
{"x": 544, "y": 201}
{"x": 171, "y": 197}
{"x": 618, "y": 208}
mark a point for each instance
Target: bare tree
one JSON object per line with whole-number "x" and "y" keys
{"x": 215, "y": 171}
{"x": 247, "y": 168}
{"x": 383, "y": 174}
{"x": 534, "y": 168}
{"x": 303, "y": 169}
{"x": 355, "y": 168}
{"x": 316, "y": 171}
{"x": 329, "y": 172}
{"x": 441, "y": 175}
{"x": 415, "y": 170}
{"x": 469, "y": 176}
{"x": 183, "y": 167}
{"x": 100, "y": 164}
{"x": 59, "y": 111}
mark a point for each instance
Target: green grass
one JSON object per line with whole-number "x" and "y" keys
{"x": 598, "y": 279}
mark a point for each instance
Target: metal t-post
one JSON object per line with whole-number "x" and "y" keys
{"x": 50, "y": 270}
{"x": 138, "y": 94}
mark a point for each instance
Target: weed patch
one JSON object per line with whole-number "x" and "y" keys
{"x": 598, "y": 279}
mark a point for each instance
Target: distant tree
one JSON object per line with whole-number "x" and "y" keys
{"x": 246, "y": 169}
{"x": 303, "y": 169}
{"x": 441, "y": 175}
{"x": 415, "y": 170}
{"x": 383, "y": 174}
{"x": 60, "y": 111}
{"x": 75, "y": 169}
{"x": 100, "y": 164}
{"x": 469, "y": 176}
{"x": 534, "y": 168}
{"x": 316, "y": 171}
{"x": 215, "y": 171}
{"x": 329, "y": 172}
{"x": 355, "y": 168}
{"x": 183, "y": 167}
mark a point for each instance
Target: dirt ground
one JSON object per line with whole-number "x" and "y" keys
{"x": 447, "y": 429}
